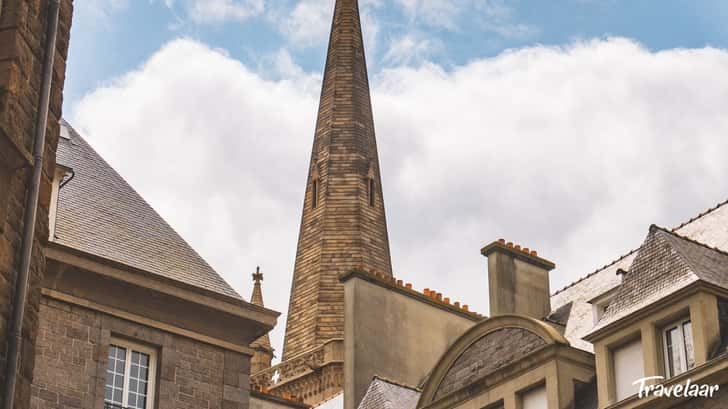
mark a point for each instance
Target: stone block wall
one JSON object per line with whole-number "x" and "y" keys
{"x": 22, "y": 35}
{"x": 72, "y": 349}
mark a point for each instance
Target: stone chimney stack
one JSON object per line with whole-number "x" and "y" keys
{"x": 518, "y": 279}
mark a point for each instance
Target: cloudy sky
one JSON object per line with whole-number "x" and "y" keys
{"x": 568, "y": 126}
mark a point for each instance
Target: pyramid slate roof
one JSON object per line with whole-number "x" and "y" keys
{"x": 665, "y": 263}
{"x": 709, "y": 227}
{"x": 100, "y": 214}
{"x": 385, "y": 394}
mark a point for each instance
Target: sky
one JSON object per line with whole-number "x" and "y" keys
{"x": 567, "y": 126}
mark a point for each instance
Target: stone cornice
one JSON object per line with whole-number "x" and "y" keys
{"x": 645, "y": 312}
{"x": 125, "y": 273}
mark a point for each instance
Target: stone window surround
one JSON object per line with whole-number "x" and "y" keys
{"x": 152, "y": 352}
{"x": 533, "y": 388}
{"x": 702, "y": 309}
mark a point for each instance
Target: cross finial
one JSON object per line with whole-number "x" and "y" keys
{"x": 257, "y": 276}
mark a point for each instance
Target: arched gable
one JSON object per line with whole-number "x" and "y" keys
{"x": 488, "y": 346}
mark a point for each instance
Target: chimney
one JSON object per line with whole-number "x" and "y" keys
{"x": 518, "y": 279}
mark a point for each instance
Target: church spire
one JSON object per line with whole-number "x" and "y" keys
{"x": 263, "y": 350}
{"x": 343, "y": 225}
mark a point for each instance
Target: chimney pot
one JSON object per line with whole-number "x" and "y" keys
{"x": 399, "y": 283}
{"x": 509, "y": 244}
{"x": 408, "y": 285}
{"x": 457, "y": 304}
{"x": 465, "y": 307}
{"x": 438, "y": 296}
{"x": 518, "y": 246}
{"x": 447, "y": 300}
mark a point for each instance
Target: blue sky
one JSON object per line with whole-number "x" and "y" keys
{"x": 111, "y": 37}
{"x": 566, "y": 126}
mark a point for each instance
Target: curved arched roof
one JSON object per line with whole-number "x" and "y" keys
{"x": 501, "y": 339}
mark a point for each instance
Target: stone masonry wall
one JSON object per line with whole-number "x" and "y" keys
{"x": 72, "y": 349}
{"x": 22, "y": 35}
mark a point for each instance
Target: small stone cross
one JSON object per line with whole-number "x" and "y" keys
{"x": 276, "y": 377}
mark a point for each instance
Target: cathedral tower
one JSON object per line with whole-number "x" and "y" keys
{"x": 343, "y": 225}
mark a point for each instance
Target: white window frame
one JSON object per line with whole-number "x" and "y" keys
{"x": 152, "y": 378}
{"x": 679, "y": 325}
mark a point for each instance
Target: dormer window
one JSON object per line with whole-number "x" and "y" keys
{"x": 314, "y": 193}
{"x": 62, "y": 176}
{"x": 601, "y": 302}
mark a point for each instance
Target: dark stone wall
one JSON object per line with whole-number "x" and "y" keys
{"x": 72, "y": 350}
{"x": 490, "y": 353}
{"x": 22, "y": 34}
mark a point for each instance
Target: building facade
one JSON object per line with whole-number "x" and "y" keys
{"x": 130, "y": 315}
{"x": 353, "y": 328}
{"x": 32, "y": 49}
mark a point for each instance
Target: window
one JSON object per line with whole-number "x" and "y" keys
{"x": 601, "y": 302}
{"x": 535, "y": 398}
{"x": 678, "y": 348}
{"x": 628, "y": 367}
{"x": 370, "y": 190}
{"x": 130, "y": 376}
{"x": 314, "y": 194}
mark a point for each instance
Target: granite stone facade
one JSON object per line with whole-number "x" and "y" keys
{"x": 22, "y": 36}
{"x": 72, "y": 349}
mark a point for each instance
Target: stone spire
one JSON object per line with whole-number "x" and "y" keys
{"x": 343, "y": 225}
{"x": 263, "y": 351}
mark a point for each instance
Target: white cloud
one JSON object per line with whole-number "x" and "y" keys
{"x": 572, "y": 151}
{"x": 409, "y": 49}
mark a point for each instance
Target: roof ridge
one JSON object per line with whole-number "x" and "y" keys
{"x": 700, "y": 215}
{"x": 688, "y": 239}
{"x": 396, "y": 383}
{"x": 622, "y": 257}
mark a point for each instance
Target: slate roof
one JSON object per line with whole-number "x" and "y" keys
{"x": 100, "y": 214}
{"x": 665, "y": 263}
{"x": 709, "y": 227}
{"x": 384, "y": 394}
